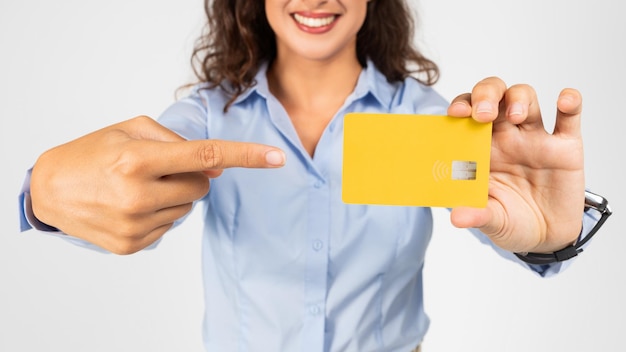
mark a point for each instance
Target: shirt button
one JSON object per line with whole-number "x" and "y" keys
{"x": 318, "y": 184}
{"x": 318, "y": 245}
{"x": 314, "y": 310}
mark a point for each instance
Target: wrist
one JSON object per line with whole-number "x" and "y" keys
{"x": 593, "y": 202}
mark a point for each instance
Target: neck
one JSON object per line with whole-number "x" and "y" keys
{"x": 302, "y": 83}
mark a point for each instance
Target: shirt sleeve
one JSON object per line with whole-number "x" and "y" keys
{"x": 188, "y": 117}
{"x": 590, "y": 219}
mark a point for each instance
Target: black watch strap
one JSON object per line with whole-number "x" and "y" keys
{"x": 593, "y": 202}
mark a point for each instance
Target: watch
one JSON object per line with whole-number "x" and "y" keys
{"x": 593, "y": 202}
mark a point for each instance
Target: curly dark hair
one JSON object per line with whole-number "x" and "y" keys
{"x": 237, "y": 39}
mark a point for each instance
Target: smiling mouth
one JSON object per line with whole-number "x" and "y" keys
{"x": 314, "y": 22}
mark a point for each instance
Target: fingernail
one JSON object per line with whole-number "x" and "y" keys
{"x": 460, "y": 104}
{"x": 484, "y": 107}
{"x": 567, "y": 98}
{"x": 275, "y": 158}
{"x": 516, "y": 109}
{"x": 461, "y": 107}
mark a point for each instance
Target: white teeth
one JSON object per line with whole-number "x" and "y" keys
{"x": 314, "y": 22}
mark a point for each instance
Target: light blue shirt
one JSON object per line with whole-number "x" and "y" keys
{"x": 288, "y": 266}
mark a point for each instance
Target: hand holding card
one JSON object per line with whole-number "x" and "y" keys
{"x": 415, "y": 160}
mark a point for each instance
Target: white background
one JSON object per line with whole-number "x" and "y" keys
{"x": 69, "y": 67}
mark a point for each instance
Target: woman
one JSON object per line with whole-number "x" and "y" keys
{"x": 287, "y": 265}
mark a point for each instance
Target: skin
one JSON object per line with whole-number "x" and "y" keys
{"x": 536, "y": 186}
{"x": 137, "y": 175}
{"x": 314, "y": 72}
{"x": 143, "y": 177}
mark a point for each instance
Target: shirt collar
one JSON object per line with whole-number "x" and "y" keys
{"x": 370, "y": 82}
{"x": 261, "y": 88}
{"x": 373, "y": 82}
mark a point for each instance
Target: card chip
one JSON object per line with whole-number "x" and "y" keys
{"x": 463, "y": 170}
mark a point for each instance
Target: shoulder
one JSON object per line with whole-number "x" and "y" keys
{"x": 406, "y": 96}
{"x": 418, "y": 98}
{"x": 205, "y": 96}
{"x": 189, "y": 115}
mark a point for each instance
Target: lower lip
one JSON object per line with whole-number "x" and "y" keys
{"x": 316, "y": 30}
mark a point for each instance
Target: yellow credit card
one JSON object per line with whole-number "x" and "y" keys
{"x": 415, "y": 160}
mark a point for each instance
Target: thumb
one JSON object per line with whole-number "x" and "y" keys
{"x": 466, "y": 217}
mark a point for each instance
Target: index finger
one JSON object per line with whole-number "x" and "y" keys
{"x": 485, "y": 99}
{"x": 483, "y": 103}
{"x": 211, "y": 154}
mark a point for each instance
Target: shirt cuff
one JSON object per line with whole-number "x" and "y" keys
{"x": 28, "y": 220}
